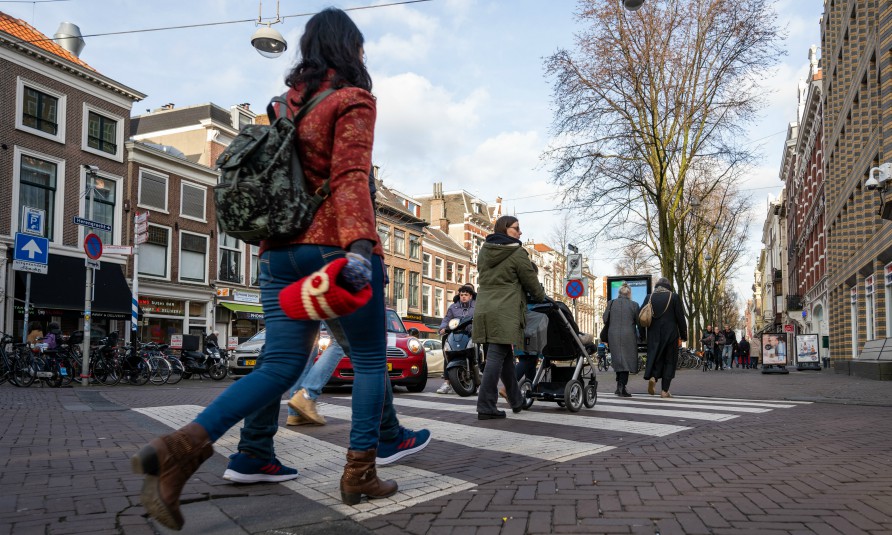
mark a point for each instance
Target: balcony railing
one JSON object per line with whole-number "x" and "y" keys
{"x": 794, "y": 302}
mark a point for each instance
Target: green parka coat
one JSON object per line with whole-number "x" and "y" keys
{"x": 505, "y": 276}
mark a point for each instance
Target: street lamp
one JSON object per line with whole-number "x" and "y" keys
{"x": 268, "y": 42}
{"x": 633, "y": 5}
{"x": 880, "y": 184}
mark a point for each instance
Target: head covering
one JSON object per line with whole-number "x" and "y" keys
{"x": 664, "y": 282}
{"x": 318, "y": 296}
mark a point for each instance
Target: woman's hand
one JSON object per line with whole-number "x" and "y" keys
{"x": 356, "y": 274}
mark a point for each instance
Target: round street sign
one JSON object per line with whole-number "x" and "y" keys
{"x": 574, "y": 289}
{"x": 93, "y": 246}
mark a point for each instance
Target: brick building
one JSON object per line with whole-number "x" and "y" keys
{"x": 60, "y": 115}
{"x": 855, "y": 39}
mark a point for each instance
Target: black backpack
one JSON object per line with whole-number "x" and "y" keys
{"x": 262, "y": 193}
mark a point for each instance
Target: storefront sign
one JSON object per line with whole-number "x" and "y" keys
{"x": 176, "y": 341}
{"x": 222, "y": 292}
{"x": 154, "y": 305}
{"x": 232, "y": 342}
{"x": 253, "y": 316}
{"x": 246, "y": 297}
{"x": 413, "y": 317}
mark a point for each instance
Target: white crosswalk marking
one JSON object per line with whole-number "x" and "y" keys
{"x": 558, "y": 417}
{"x": 632, "y": 402}
{"x": 320, "y": 465}
{"x": 540, "y": 447}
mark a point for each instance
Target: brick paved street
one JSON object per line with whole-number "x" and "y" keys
{"x": 805, "y": 453}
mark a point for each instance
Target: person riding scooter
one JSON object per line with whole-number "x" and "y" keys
{"x": 461, "y": 309}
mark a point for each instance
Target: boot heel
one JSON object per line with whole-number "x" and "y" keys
{"x": 145, "y": 462}
{"x": 351, "y": 498}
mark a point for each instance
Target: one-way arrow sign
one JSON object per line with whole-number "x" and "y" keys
{"x": 31, "y": 253}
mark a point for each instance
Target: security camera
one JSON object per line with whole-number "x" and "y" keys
{"x": 91, "y": 168}
{"x": 871, "y": 183}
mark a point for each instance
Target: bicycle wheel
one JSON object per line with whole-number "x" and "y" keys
{"x": 160, "y": 370}
{"x": 177, "y": 370}
{"x": 139, "y": 373}
{"x": 24, "y": 372}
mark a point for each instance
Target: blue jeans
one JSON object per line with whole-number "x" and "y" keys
{"x": 318, "y": 372}
{"x": 726, "y": 355}
{"x": 287, "y": 348}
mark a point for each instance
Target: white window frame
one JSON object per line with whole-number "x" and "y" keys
{"x": 439, "y": 299}
{"x": 430, "y": 299}
{"x": 158, "y": 174}
{"x": 207, "y": 248}
{"x": 169, "y": 255}
{"x": 58, "y": 202}
{"x": 385, "y": 230}
{"x": 21, "y": 83}
{"x": 119, "y": 202}
{"x": 394, "y": 239}
{"x": 869, "y": 309}
{"x": 254, "y": 267}
{"x": 118, "y": 156}
{"x": 430, "y": 262}
{"x": 854, "y": 320}
{"x": 439, "y": 276}
{"x": 448, "y": 277}
{"x": 204, "y": 198}
{"x": 240, "y": 248}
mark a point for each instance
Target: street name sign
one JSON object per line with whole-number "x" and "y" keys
{"x": 31, "y": 254}
{"x": 91, "y": 224}
{"x": 117, "y": 249}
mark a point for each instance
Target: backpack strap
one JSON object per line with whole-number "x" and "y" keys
{"x": 282, "y": 101}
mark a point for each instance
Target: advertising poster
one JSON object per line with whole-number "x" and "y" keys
{"x": 774, "y": 349}
{"x": 640, "y": 285}
{"x": 807, "y": 348}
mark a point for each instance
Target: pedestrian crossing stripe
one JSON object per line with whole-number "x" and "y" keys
{"x": 632, "y": 402}
{"x": 717, "y": 404}
{"x": 754, "y": 402}
{"x": 321, "y": 464}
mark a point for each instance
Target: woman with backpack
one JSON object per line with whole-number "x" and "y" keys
{"x": 335, "y": 264}
{"x": 667, "y": 330}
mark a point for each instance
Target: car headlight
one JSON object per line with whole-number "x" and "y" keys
{"x": 324, "y": 343}
{"x": 414, "y": 345}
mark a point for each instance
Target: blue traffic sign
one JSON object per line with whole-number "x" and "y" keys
{"x": 575, "y": 289}
{"x": 33, "y": 220}
{"x": 31, "y": 248}
{"x": 93, "y": 246}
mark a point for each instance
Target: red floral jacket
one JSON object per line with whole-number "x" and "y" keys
{"x": 335, "y": 140}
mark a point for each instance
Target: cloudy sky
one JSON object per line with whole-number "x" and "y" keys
{"x": 462, "y": 96}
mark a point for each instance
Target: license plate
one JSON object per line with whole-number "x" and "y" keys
{"x": 389, "y": 366}
{"x": 250, "y": 362}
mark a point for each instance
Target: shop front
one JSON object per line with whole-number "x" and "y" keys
{"x": 163, "y": 317}
{"x": 239, "y": 315}
{"x": 428, "y": 326}
{"x": 59, "y": 297}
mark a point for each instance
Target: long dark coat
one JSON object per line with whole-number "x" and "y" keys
{"x": 622, "y": 333}
{"x": 665, "y": 330}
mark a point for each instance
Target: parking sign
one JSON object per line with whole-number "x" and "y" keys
{"x": 33, "y": 221}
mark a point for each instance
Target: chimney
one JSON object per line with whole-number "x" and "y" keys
{"x": 444, "y": 225}
{"x": 245, "y": 106}
{"x": 168, "y": 106}
{"x": 68, "y": 36}
{"x": 438, "y": 205}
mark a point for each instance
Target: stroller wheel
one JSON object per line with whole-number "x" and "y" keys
{"x": 526, "y": 386}
{"x": 591, "y": 395}
{"x": 573, "y": 395}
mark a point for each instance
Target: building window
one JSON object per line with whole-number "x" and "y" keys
{"x": 384, "y": 235}
{"x": 102, "y": 209}
{"x": 460, "y": 274}
{"x": 426, "y": 299}
{"x": 450, "y": 271}
{"x": 853, "y": 295}
{"x": 399, "y": 242}
{"x": 399, "y": 283}
{"x": 414, "y": 246}
{"x": 414, "y": 280}
{"x": 153, "y": 190}
{"x": 426, "y": 264}
{"x": 255, "y": 265}
{"x": 192, "y": 201}
{"x": 888, "y": 281}
{"x": 102, "y": 133}
{"x": 230, "y": 259}
{"x": 37, "y": 188}
{"x": 153, "y": 253}
{"x": 40, "y": 110}
{"x": 869, "y": 305}
{"x": 438, "y": 269}
{"x": 193, "y": 257}
{"x": 438, "y": 302}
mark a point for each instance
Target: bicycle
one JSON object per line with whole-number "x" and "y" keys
{"x": 9, "y": 361}
{"x": 604, "y": 362}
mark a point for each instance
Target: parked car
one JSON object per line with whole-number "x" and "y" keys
{"x": 433, "y": 349}
{"x": 406, "y": 362}
{"x": 242, "y": 358}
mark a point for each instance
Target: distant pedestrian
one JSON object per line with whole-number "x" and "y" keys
{"x": 667, "y": 330}
{"x": 708, "y": 342}
{"x": 621, "y": 317}
{"x": 743, "y": 350}
{"x": 730, "y": 342}
{"x": 719, "y": 347}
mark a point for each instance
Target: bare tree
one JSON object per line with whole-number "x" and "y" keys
{"x": 636, "y": 259}
{"x": 646, "y": 99}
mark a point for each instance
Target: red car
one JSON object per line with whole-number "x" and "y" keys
{"x": 406, "y": 363}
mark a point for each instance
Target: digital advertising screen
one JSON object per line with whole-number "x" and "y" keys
{"x": 640, "y": 285}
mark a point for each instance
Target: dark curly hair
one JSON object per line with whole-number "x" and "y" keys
{"x": 331, "y": 41}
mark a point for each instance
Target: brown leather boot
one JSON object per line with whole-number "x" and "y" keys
{"x": 360, "y": 477}
{"x": 168, "y": 462}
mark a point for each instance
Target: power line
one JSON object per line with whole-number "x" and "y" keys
{"x": 205, "y": 24}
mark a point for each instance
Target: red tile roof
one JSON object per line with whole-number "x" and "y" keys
{"x": 542, "y": 248}
{"x": 23, "y": 31}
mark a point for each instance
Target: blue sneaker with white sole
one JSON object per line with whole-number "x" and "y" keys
{"x": 244, "y": 468}
{"x": 406, "y": 443}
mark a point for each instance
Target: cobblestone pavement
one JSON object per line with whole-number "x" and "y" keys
{"x": 734, "y": 451}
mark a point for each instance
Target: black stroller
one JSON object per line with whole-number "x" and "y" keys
{"x": 566, "y": 374}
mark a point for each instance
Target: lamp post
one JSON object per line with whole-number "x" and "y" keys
{"x": 268, "y": 42}
{"x": 633, "y": 5}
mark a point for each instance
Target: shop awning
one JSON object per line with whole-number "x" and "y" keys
{"x": 420, "y": 326}
{"x": 244, "y": 310}
{"x": 62, "y": 288}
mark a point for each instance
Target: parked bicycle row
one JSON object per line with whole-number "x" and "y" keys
{"x": 60, "y": 362}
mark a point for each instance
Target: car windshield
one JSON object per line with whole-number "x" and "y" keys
{"x": 394, "y": 323}
{"x": 259, "y": 337}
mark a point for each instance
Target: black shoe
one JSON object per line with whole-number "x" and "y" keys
{"x": 619, "y": 389}
{"x": 517, "y": 409}
{"x": 625, "y": 394}
{"x": 498, "y": 415}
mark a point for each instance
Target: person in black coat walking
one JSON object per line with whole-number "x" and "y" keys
{"x": 666, "y": 329}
